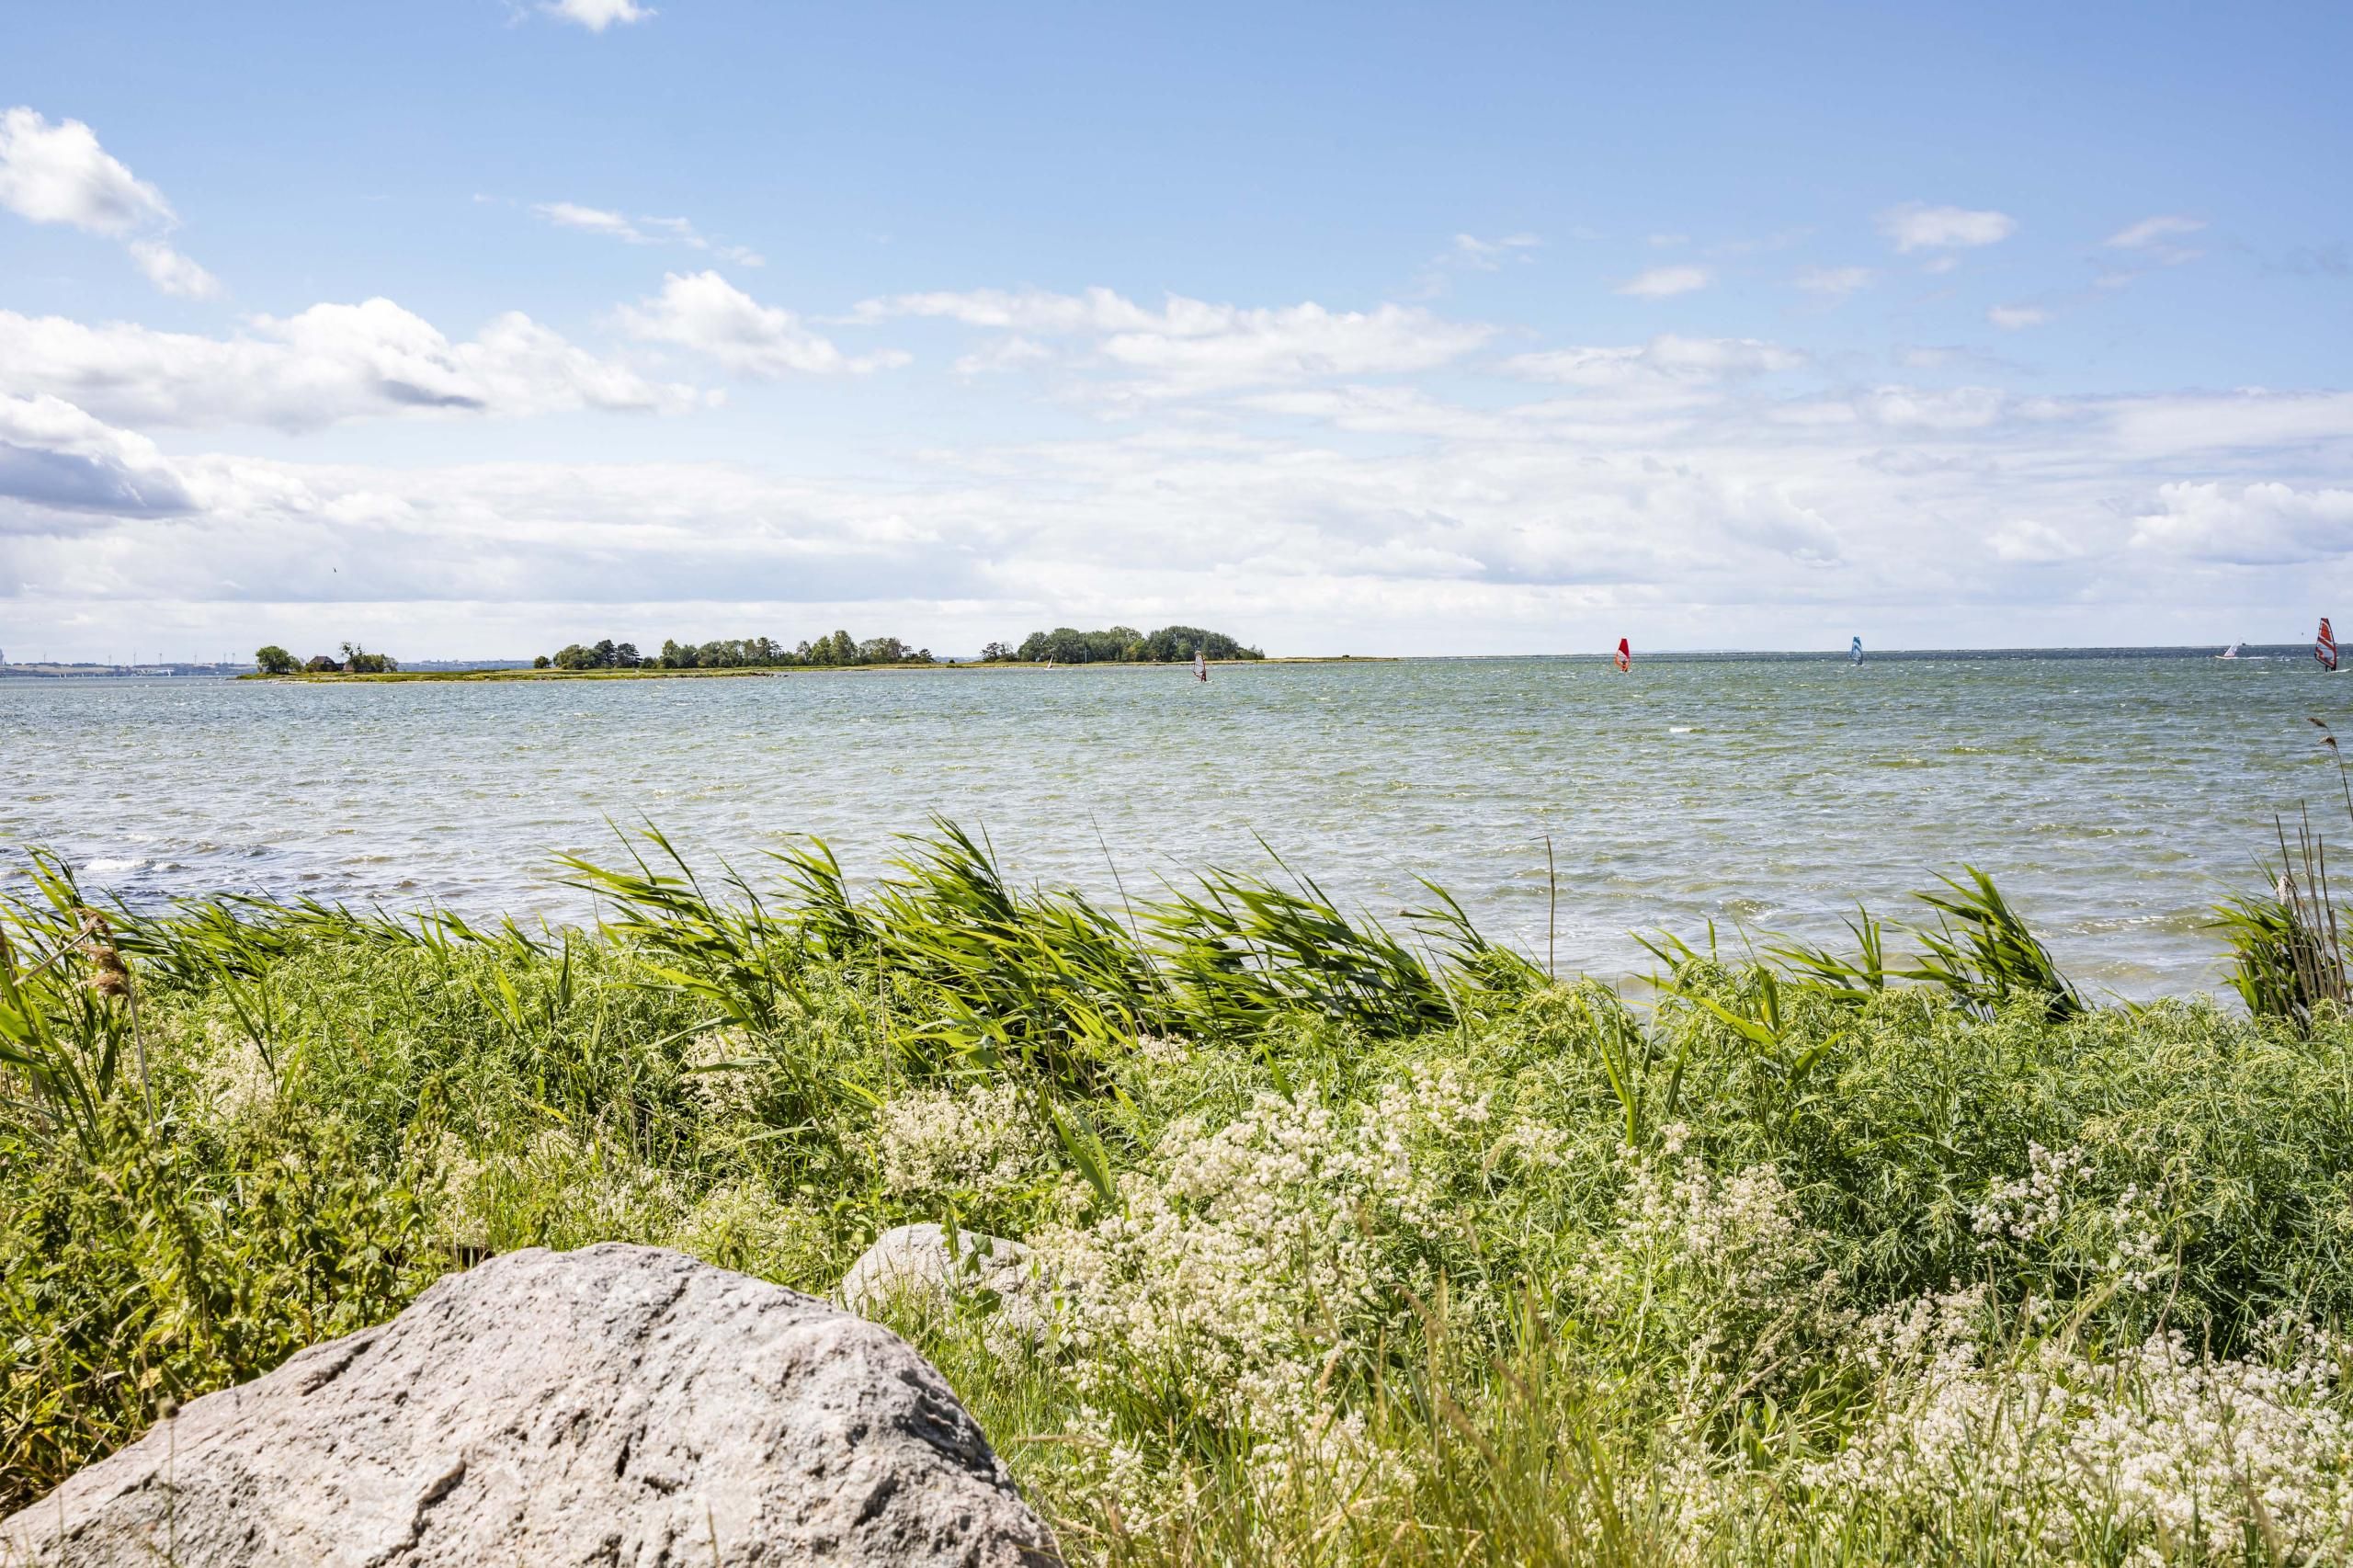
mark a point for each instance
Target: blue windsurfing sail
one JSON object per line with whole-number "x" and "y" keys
{"x": 1857, "y": 651}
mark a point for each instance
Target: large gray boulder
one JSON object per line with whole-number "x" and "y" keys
{"x": 925, "y": 1264}
{"x": 622, "y": 1406}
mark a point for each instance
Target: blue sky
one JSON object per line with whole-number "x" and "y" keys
{"x": 471, "y": 327}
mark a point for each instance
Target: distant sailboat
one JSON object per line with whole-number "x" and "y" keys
{"x": 2324, "y": 647}
{"x": 1855, "y": 653}
{"x": 2231, "y": 651}
{"x": 1200, "y": 667}
{"x": 1625, "y": 656}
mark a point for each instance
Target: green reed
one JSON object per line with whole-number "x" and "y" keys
{"x": 339, "y": 1106}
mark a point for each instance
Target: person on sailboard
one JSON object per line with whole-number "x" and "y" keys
{"x": 2324, "y": 647}
{"x": 1625, "y": 656}
{"x": 1201, "y": 667}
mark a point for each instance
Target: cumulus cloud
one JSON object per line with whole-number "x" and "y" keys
{"x": 53, "y": 455}
{"x": 2252, "y": 525}
{"x": 2010, "y": 318}
{"x": 320, "y": 366}
{"x": 597, "y": 15}
{"x": 705, "y": 313}
{"x": 1187, "y": 347}
{"x": 1834, "y": 282}
{"x": 1917, "y": 226}
{"x": 1665, "y": 282}
{"x": 59, "y": 174}
{"x": 1300, "y": 512}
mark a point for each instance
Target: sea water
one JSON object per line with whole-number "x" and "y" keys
{"x": 2114, "y": 797}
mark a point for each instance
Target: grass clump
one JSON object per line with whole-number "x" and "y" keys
{"x": 1349, "y": 1243}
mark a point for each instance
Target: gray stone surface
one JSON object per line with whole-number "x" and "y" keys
{"x": 918, "y": 1260}
{"x": 619, "y": 1405}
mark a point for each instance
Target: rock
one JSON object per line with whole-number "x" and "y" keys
{"x": 619, "y": 1405}
{"x": 919, "y": 1260}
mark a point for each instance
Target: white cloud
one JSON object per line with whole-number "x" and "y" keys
{"x": 1916, "y": 226}
{"x": 596, "y": 221}
{"x": 1489, "y": 255}
{"x": 2154, "y": 238}
{"x": 1665, "y": 282}
{"x": 705, "y": 313}
{"x": 172, "y": 273}
{"x": 2026, "y": 542}
{"x": 1667, "y": 357}
{"x": 1007, "y": 354}
{"x": 1832, "y": 282}
{"x": 59, "y": 174}
{"x": 1946, "y": 409}
{"x": 2157, "y": 427}
{"x": 55, "y": 456}
{"x": 2149, "y": 231}
{"x": 1413, "y": 522}
{"x": 597, "y": 15}
{"x": 318, "y": 367}
{"x": 641, "y": 230}
{"x": 2010, "y": 318}
{"x": 1187, "y": 348}
{"x": 2251, "y": 525}
{"x": 1029, "y": 310}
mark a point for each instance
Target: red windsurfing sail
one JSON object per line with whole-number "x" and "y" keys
{"x": 2324, "y": 646}
{"x": 1625, "y": 655}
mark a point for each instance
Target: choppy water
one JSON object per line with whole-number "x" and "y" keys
{"x": 2115, "y": 798}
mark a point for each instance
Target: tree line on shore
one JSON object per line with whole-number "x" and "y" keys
{"x": 1120, "y": 645}
{"x": 273, "y": 660}
{"x": 1063, "y": 645}
{"x": 838, "y": 650}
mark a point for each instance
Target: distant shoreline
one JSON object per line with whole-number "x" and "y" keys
{"x": 2257, "y": 655}
{"x": 337, "y": 677}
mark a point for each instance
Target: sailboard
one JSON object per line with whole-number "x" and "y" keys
{"x": 2231, "y": 651}
{"x": 1200, "y": 667}
{"x": 1625, "y": 656}
{"x": 2324, "y": 647}
{"x": 1855, "y": 653}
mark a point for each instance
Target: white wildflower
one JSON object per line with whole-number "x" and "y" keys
{"x": 980, "y": 1142}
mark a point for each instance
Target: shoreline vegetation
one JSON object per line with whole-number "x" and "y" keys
{"x": 1348, "y": 1242}
{"x": 838, "y": 650}
{"x": 938, "y": 667}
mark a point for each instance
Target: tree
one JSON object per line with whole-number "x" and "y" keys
{"x": 543, "y": 662}
{"x": 1169, "y": 645}
{"x": 995, "y": 652}
{"x": 273, "y": 660}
